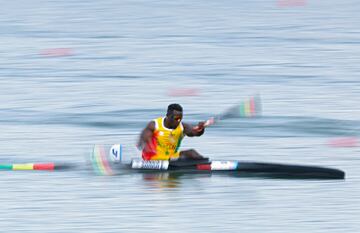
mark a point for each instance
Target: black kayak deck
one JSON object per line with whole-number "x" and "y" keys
{"x": 245, "y": 169}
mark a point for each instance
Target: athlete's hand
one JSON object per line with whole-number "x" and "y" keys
{"x": 200, "y": 126}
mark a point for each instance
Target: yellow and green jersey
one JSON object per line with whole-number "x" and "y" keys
{"x": 165, "y": 143}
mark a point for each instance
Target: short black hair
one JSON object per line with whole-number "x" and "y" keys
{"x": 172, "y": 107}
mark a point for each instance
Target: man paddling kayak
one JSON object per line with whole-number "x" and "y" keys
{"x": 161, "y": 138}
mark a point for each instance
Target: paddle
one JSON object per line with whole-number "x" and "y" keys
{"x": 247, "y": 109}
{"x": 50, "y": 166}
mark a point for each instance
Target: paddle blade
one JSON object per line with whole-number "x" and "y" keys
{"x": 247, "y": 109}
{"x": 110, "y": 159}
{"x": 99, "y": 158}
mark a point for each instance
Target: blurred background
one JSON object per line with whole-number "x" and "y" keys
{"x": 77, "y": 73}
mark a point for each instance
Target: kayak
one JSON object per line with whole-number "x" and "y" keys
{"x": 237, "y": 168}
{"x": 108, "y": 161}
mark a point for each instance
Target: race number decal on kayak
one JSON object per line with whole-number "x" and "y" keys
{"x": 223, "y": 165}
{"x": 115, "y": 153}
{"x": 150, "y": 164}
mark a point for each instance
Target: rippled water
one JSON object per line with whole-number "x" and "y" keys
{"x": 78, "y": 73}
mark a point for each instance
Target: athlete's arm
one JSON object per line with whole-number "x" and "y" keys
{"x": 192, "y": 131}
{"x": 146, "y": 135}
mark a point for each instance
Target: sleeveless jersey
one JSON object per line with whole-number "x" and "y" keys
{"x": 165, "y": 142}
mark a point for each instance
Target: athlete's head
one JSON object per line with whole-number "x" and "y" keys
{"x": 174, "y": 114}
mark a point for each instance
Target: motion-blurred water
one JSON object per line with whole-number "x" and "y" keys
{"x": 78, "y": 73}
